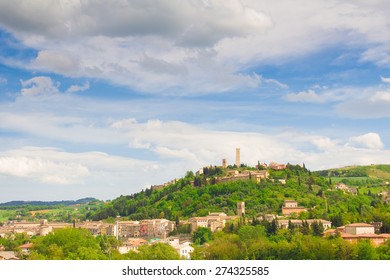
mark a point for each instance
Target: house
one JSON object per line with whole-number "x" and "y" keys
{"x": 25, "y": 248}
{"x": 359, "y": 231}
{"x": 298, "y": 223}
{"x": 8, "y": 255}
{"x": 132, "y": 244}
{"x": 184, "y": 249}
{"x": 345, "y": 188}
{"x": 245, "y": 175}
{"x": 359, "y": 228}
{"x": 291, "y": 206}
{"x": 276, "y": 166}
{"x": 215, "y": 221}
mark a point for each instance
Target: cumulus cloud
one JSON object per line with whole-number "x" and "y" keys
{"x": 44, "y": 171}
{"x": 43, "y": 85}
{"x": 366, "y": 103}
{"x": 325, "y": 95}
{"x": 55, "y": 60}
{"x": 54, "y": 166}
{"x": 76, "y": 88}
{"x": 194, "y": 146}
{"x": 202, "y": 45}
{"x": 370, "y": 140}
{"x": 385, "y": 80}
{"x": 39, "y": 85}
{"x": 381, "y": 96}
{"x": 305, "y": 96}
{"x": 195, "y": 23}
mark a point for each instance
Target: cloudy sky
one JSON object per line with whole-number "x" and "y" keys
{"x": 104, "y": 98}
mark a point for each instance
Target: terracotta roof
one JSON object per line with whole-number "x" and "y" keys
{"x": 26, "y": 246}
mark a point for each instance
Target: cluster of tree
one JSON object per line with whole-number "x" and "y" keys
{"x": 79, "y": 244}
{"x": 11, "y": 242}
{"x": 256, "y": 243}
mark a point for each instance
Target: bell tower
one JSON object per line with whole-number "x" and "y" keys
{"x": 238, "y": 161}
{"x": 241, "y": 209}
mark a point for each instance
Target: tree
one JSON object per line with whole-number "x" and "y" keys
{"x": 202, "y": 235}
{"x": 272, "y": 227}
{"x": 157, "y": 251}
{"x": 317, "y": 228}
{"x": 67, "y": 244}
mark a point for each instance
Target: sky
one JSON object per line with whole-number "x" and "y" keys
{"x": 106, "y": 98}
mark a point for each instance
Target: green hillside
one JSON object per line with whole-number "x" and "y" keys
{"x": 376, "y": 171}
{"x": 310, "y": 189}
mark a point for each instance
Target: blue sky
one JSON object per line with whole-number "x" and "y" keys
{"x": 106, "y": 98}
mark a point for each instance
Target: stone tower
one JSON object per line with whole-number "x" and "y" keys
{"x": 238, "y": 162}
{"x": 241, "y": 208}
{"x": 224, "y": 163}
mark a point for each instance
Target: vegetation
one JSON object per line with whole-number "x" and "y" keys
{"x": 244, "y": 238}
{"x": 310, "y": 189}
{"x": 252, "y": 242}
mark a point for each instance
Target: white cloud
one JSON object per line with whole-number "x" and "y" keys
{"x": 308, "y": 96}
{"x": 381, "y": 96}
{"x": 39, "y": 85}
{"x": 189, "y": 46}
{"x": 325, "y": 95}
{"x": 370, "y": 140}
{"x": 44, "y": 171}
{"x": 196, "y": 147}
{"x": 3, "y": 81}
{"x": 43, "y": 85}
{"x": 76, "y": 88}
{"x": 57, "y": 61}
{"x": 385, "y": 80}
{"x": 194, "y": 23}
{"x": 366, "y": 103}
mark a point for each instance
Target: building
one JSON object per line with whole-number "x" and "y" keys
{"x": 345, "y": 188}
{"x": 359, "y": 228}
{"x": 276, "y": 166}
{"x": 8, "y": 255}
{"x": 291, "y": 206}
{"x": 25, "y": 248}
{"x": 238, "y": 160}
{"x": 234, "y": 175}
{"x": 359, "y": 231}
{"x": 241, "y": 209}
{"x": 224, "y": 163}
{"x": 131, "y": 244}
{"x": 298, "y": 223}
{"x": 215, "y": 221}
{"x": 184, "y": 249}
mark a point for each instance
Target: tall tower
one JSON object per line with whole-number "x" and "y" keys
{"x": 238, "y": 162}
{"x": 241, "y": 208}
{"x": 224, "y": 163}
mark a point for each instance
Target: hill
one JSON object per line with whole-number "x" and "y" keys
{"x": 198, "y": 195}
{"x": 47, "y": 203}
{"x": 377, "y": 171}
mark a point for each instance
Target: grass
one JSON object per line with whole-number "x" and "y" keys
{"x": 339, "y": 179}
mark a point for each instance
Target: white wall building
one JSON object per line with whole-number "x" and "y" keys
{"x": 360, "y": 228}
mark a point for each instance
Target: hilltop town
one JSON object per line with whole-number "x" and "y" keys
{"x": 221, "y": 200}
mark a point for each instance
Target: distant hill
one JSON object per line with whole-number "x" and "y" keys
{"x": 379, "y": 171}
{"x": 48, "y": 203}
